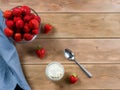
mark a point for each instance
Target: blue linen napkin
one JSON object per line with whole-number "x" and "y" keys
{"x": 10, "y": 69}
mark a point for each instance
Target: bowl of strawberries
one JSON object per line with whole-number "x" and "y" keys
{"x": 22, "y": 24}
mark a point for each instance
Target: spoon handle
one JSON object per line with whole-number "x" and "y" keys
{"x": 84, "y": 69}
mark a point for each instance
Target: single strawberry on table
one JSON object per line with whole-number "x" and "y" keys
{"x": 8, "y": 32}
{"x": 47, "y": 28}
{"x": 40, "y": 51}
{"x": 73, "y": 78}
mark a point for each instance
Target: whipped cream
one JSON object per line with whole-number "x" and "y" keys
{"x": 55, "y": 71}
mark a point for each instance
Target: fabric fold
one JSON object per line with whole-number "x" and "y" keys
{"x": 11, "y": 72}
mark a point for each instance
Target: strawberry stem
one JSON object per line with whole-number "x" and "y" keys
{"x": 74, "y": 74}
{"x": 39, "y": 47}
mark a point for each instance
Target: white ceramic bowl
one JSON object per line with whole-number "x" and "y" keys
{"x": 54, "y": 71}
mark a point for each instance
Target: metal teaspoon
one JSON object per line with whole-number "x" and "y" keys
{"x": 70, "y": 56}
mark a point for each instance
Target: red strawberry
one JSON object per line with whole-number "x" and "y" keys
{"x": 8, "y": 14}
{"x": 47, "y": 28}
{"x": 27, "y": 18}
{"x": 28, "y": 36}
{"x": 40, "y": 52}
{"x": 37, "y": 18}
{"x": 18, "y": 37}
{"x": 25, "y": 10}
{"x": 16, "y": 19}
{"x": 10, "y": 24}
{"x": 19, "y": 24}
{"x": 18, "y": 30}
{"x": 35, "y": 31}
{"x": 32, "y": 15}
{"x": 17, "y": 12}
{"x": 73, "y": 78}
{"x": 8, "y": 32}
{"x": 26, "y": 28}
{"x": 34, "y": 24}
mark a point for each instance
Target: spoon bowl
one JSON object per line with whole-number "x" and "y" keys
{"x": 69, "y": 55}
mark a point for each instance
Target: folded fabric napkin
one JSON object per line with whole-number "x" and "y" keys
{"x": 10, "y": 69}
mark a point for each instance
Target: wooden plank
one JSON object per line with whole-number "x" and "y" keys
{"x": 86, "y": 50}
{"x": 82, "y": 25}
{"x": 105, "y": 76}
{"x": 65, "y": 6}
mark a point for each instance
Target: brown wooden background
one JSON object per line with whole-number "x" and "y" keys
{"x": 91, "y": 28}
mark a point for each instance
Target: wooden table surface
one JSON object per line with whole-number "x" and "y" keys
{"x": 91, "y": 28}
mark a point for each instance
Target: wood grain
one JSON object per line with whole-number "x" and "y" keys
{"x": 86, "y": 50}
{"x": 82, "y": 25}
{"x": 105, "y": 76}
{"x": 91, "y": 28}
{"x": 65, "y": 6}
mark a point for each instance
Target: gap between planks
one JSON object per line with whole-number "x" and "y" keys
{"x": 104, "y": 63}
